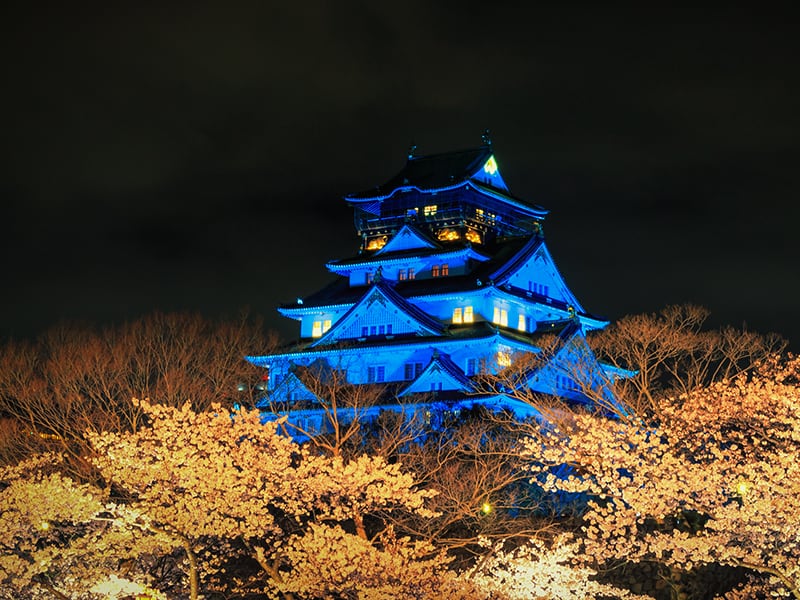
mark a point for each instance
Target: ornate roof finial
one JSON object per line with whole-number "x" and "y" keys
{"x": 486, "y": 138}
{"x": 412, "y": 149}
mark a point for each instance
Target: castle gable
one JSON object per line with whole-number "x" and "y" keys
{"x": 532, "y": 270}
{"x": 408, "y": 238}
{"x": 381, "y": 312}
{"x": 441, "y": 374}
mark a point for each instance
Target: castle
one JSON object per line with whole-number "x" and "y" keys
{"x": 453, "y": 280}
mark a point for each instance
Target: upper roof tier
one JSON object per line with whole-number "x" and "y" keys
{"x": 462, "y": 189}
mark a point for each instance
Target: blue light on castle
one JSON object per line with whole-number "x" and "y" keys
{"x": 452, "y": 279}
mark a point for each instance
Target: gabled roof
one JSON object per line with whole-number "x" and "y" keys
{"x": 291, "y": 388}
{"x": 418, "y": 321}
{"x": 431, "y": 172}
{"x": 408, "y": 238}
{"x": 535, "y": 250}
{"x": 441, "y": 370}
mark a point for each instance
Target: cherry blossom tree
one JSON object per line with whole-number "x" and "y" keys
{"x": 62, "y": 539}
{"x": 716, "y": 481}
{"x": 216, "y": 479}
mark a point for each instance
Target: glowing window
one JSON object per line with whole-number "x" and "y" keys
{"x": 316, "y": 329}
{"x": 473, "y": 236}
{"x": 503, "y": 359}
{"x": 448, "y": 235}
{"x": 411, "y": 274}
{"x": 401, "y": 275}
{"x": 445, "y": 270}
{"x": 500, "y": 316}
{"x": 377, "y": 243}
{"x": 491, "y": 166}
{"x": 369, "y": 277}
{"x": 430, "y": 210}
{"x": 458, "y": 315}
{"x": 435, "y": 271}
{"x": 521, "y": 323}
{"x": 326, "y": 324}
{"x": 468, "y": 316}
{"x": 479, "y": 212}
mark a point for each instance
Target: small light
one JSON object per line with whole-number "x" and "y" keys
{"x": 44, "y": 525}
{"x": 486, "y": 508}
{"x": 742, "y": 487}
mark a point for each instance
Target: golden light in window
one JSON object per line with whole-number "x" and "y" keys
{"x": 430, "y": 210}
{"x": 377, "y": 243}
{"x": 503, "y": 359}
{"x": 448, "y": 235}
{"x": 473, "y": 236}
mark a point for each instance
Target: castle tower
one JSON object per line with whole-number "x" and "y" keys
{"x": 453, "y": 278}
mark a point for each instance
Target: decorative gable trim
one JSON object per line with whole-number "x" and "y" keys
{"x": 381, "y": 303}
{"x": 408, "y": 238}
{"x": 441, "y": 374}
{"x": 489, "y": 174}
{"x": 534, "y": 260}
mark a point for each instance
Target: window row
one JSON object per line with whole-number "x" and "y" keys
{"x": 376, "y": 330}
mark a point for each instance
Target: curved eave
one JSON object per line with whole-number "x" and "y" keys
{"x": 534, "y": 210}
{"x": 340, "y": 268}
{"x": 297, "y": 312}
{"x": 426, "y": 342}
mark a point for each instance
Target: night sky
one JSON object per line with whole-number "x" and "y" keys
{"x": 185, "y": 156}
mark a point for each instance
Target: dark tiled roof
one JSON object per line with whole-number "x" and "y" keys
{"x": 434, "y": 171}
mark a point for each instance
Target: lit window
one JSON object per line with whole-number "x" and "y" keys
{"x": 445, "y": 270}
{"x": 326, "y": 324}
{"x": 401, "y": 275}
{"x": 500, "y": 316}
{"x": 479, "y": 212}
{"x": 448, "y": 235}
{"x": 429, "y": 210}
{"x": 468, "y": 316}
{"x": 503, "y": 359}
{"x": 369, "y": 277}
{"x": 377, "y": 243}
{"x": 435, "y": 271}
{"x": 457, "y": 315}
{"x": 473, "y": 236}
{"x": 521, "y": 323}
{"x": 411, "y": 274}
{"x": 316, "y": 329}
